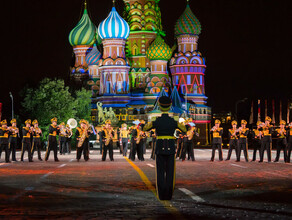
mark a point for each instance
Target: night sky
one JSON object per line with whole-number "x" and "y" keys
{"x": 246, "y": 43}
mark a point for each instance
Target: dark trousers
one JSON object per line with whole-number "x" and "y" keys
{"x": 125, "y": 146}
{"x": 179, "y": 148}
{"x": 190, "y": 150}
{"x": 120, "y": 146}
{"x": 84, "y": 148}
{"x": 108, "y": 148}
{"x": 5, "y": 147}
{"x": 133, "y": 150}
{"x": 165, "y": 174}
{"x": 36, "y": 145}
{"x": 265, "y": 146}
{"x": 183, "y": 150}
{"x": 233, "y": 144}
{"x": 63, "y": 148}
{"x": 140, "y": 151}
{"x": 289, "y": 149}
{"x": 68, "y": 144}
{"x": 281, "y": 145}
{"x": 153, "y": 145}
{"x": 256, "y": 147}
{"x": 26, "y": 147}
{"x": 242, "y": 146}
{"x": 52, "y": 145}
{"x": 12, "y": 150}
{"x": 219, "y": 147}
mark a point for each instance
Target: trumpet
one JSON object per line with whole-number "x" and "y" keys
{"x": 214, "y": 128}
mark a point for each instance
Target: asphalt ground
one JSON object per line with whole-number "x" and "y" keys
{"x": 126, "y": 190}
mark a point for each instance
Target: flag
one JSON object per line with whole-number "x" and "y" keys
{"x": 259, "y": 110}
{"x": 251, "y": 114}
{"x": 280, "y": 118}
{"x": 273, "y": 117}
{"x": 266, "y": 108}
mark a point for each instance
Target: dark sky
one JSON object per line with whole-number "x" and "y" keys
{"x": 246, "y": 43}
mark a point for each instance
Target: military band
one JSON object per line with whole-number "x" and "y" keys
{"x": 261, "y": 139}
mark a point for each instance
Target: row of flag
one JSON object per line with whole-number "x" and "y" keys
{"x": 251, "y": 119}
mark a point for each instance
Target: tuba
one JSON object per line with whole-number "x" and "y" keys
{"x": 72, "y": 123}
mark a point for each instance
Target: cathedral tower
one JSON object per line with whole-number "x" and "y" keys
{"x": 82, "y": 37}
{"x": 144, "y": 18}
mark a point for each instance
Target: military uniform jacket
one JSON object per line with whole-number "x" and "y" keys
{"x": 289, "y": 135}
{"x": 103, "y": 134}
{"x": 243, "y": 136}
{"x": 267, "y": 133}
{"x": 13, "y": 136}
{"x": 282, "y": 135}
{"x": 36, "y": 136}
{"x": 256, "y": 135}
{"x": 165, "y": 127}
{"x": 26, "y": 134}
{"x": 79, "y": 132}
{"x": 134, "y": 133}
{"x": 4, "y": 135}
{"x": 217, "y": 135}
{"x": 53, "y": 132}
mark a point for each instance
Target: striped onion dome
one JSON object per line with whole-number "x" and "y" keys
{"x": 187, "y": 23}
{"x": 84, "y": 32}
{"x": 114, "y": 26}
{"x": 159, "y": 50}
{"x": 93, "y": 57}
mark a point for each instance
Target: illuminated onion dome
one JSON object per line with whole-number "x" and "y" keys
{"x": 93, "y": 57}
{"x": 187, "y": 23}
{"x": 84, "y": 32}
{"x": 114, "y": 26}
{"x": 159, "y": 50}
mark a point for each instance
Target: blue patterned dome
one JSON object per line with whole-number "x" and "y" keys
{"x": 93, "y": 57}
{"x": 114, "y": 26}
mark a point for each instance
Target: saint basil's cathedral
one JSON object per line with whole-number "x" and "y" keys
{"x": 135, "y": 66}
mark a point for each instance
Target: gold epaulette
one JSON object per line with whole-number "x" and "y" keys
{"x": 153, "y": 119}
{"x": 176, "y": 118}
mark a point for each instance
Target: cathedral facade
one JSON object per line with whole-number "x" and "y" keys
{"x": 134, "y": 65}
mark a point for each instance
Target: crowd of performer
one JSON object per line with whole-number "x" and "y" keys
{"x": 135, "y": 139}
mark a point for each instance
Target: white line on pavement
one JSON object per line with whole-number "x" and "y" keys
{"x": 277, "y": 174}
{"x": 150, "y": 165}
{"x": 46, "y": 175}
{"x": 1, "y": 164}
{"x": 236, "y": 165}
{"x": 192, "y": 195}
{"x": 71, "y": 160}
{"x": 62, "y": 165}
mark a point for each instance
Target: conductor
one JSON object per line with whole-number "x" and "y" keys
{"x": 165, "y": 149}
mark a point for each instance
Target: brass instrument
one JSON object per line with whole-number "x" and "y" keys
{"x": 83, "y": 136}
{"x": 190, "y": 135}
{"x": 139, "y": 137}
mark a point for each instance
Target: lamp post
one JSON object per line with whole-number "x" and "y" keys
{"x": 11, "y": 96}
{"x": 236, "y": 104}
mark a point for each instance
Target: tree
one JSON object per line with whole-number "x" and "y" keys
{"x": 53, "y": 99}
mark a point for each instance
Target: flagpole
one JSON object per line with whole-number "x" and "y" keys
{"x": 251, "y": 114}
{"x": 259, "y": 110}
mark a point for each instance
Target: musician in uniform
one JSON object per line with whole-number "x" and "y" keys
{"x": 188, "y": 144}
{"x": 139, "y": 142}
{"x": 289, "y": 146}
{"x": 54, "y": 130}
{"x": 165, "y": 148}
{"x": 216, "y": 133}
{"x": 233, "y": 139}
{"x": 62, "y": 138}
{"x": 13, "y": 139}
{"x": 82, "y": 135}
{"x": 4, "y": 135}
{"x": 267, "y": 130}
{"x": 153, "y": 143}
{"x": 281, "y": 141}
{"x": 36, "y": 144}
{"x": 242, "y": 141}
{"x": 107, "y": 139}
{"x": 134, "y": 136}
{"x": 68, "y": 139}
{"x": 26, "y": 144}
{"x": 257, "y": 140}
{"x": 124, "y": 138}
